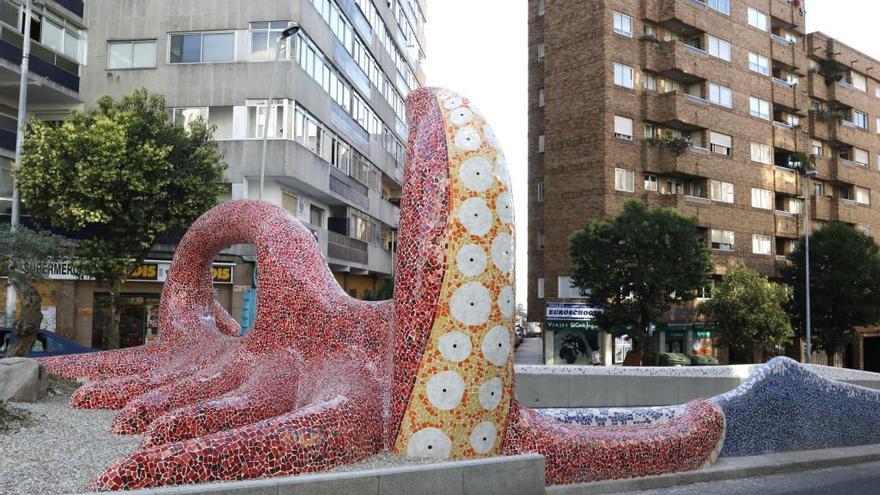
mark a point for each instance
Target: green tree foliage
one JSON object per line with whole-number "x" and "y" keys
{"x": 748, "y": 311}
{"x": 24, "y": 258}
{"x": 844, "y": 284}
{"x": 124, "y": 173}
{"x": 637, "y": 266}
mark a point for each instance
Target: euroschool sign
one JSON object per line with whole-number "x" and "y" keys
{"x": 149, "y": 271}
{"x": 571, "y": 312}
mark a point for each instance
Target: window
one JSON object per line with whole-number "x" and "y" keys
{"x": 623, "y": 76}
{"x": 540, "y": 52}
{"x": 56, "y": 36}
{"x": 131, "y": 54}
{"x": 565, "y": 289}
{"x": 863, "y": 196}
{"x": 762, "y": 198}
{"x": 541, "y": 240}
{"x": 9, "y": 14}
{"x": 649, "y": 81}
{"x": 860, "y": 119}
{"x": 721, "y": 143}
{"x": 202, "y": 47}
{"x": 759, "y": 108}
{"x": 316, "y": 216}
{"x": 719, "y": 48}
{"x": 624, "y": 180}
{"x": 877, "y": 125}
{"x": 720, "y": 95}
{"x": 762, "y": 153}
{"x": 540, "y": 192}
{"x": 758, "y": 19}
{"x": 540, "y": 287}
{"x": 859, "y": 81}
{"x": 623, "y": 24}
{"x": 540, "y": 7}
{"x": 761, "y": 243}
{"x": 722, "y": 6}
{"x": 264, "y": 36}
{"x": 722, "y": 240}
{"x": 817, "y": 148}
{"x": 860, "y": 156}
{"x": 186, "y": 116}
{"x": 623, "y": 128}
{"x": 818, "y": 189}
{"x": 759, "y": 64}
{"x": 721, "y": 191}
{"x": 541, "y": 100}
{"x": 650, "y": 182}
{"x": 541, "y": 142}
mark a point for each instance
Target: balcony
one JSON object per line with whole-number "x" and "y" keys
{"x": 820, "y": 208}
{"x": 695, "y": 162}
{"x": 75, "y": 6}
{"x": 678, "y": 61}
{"x": 851, "y": 172}
{"x": 816, "y": 85}
{"x": 783, "y": 51}
{"x": 685, "y": 17}
{"x": 687, "y": 205}
{"x": 819, "y": 128}
{"x": 343, "y": 248}
{"x": 785, "y": 181}
{"x": 787, "y": 14}
{"x": 787, "y": 225}
{"x": 55, "y": 68}
{"x": 785, "y": 93}
{"x": 784, "y": 136}
{"x": 850, "y": 96}
{"x": 679, "y": 111}
{"x": 848, "y": 133}
{"x": 848, "y": 211}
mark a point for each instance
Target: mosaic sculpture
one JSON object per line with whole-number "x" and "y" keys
{"x": 323, "y": 379}
{"x": 782, "y": 406}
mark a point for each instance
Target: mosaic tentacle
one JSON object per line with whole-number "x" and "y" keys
{"x": 323, "y": 379}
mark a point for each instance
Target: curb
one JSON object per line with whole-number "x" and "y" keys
{"x": 730, "y": 468}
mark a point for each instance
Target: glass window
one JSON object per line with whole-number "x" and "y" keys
{"x": 541, "y": 96}
{"x": 722, "y": 240}
{"x": 761, "y": 244}
{"x": 817, "y": 148}
{"x": 859, "y": 82}
{"x": 186, "y": 48}
{"x": 863, "y": 196}
{"x": 860, "y": 119}
{"x": 9, "y": 14}
{"x": 540, "y": 192}
{"x": 623, "y": 128}
{"x": 624, "y": 180}
{"x": 540, "y": 52}
{"x": 623, "y": 76}
{"x": 650, "y": 182}
{"x": 758, "y": 19}
{"x": 721, "y": 191}
{"x": 53, "y": 36}
{"x": 860, "y": 156}
{"x": 623, "y": 24}
{"x": 721, "y": 143}
{"x": 541, "y": 288}
{"x": 719, "y": 48}
{"x": 541, "y": 142}
{"x": 762, "y": 153}
{"x": 72, "y": 43}
{"x": 722, "y": 6}
{"x": 759, "y": 64}
{"x": 720, "y": 95}
{"x": 218, "y": 47}
{"x": 187, "y": 116}
{"x": 759, "y": 108}
{"x": 540, "y": 7}
{"x": 131, "y": 54}
{"x": 762, "y": 198}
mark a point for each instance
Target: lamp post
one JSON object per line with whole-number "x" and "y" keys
{"x": 287, "y": 33}
{"x": 806, "y": 174}
{"x": 19, "y": 142}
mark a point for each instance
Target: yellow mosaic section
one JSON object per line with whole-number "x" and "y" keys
{"x": 461, "y": 397}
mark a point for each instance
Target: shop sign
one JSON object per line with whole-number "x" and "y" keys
{"x": 675, "y": 335}
{"x": 571, "y": 312}
{"x": 149, "y": 271}
{"x": 558, "y": 325}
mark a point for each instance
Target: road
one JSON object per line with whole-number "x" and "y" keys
{"x": 860, "y": 479}
{"x": 530, "y": 351}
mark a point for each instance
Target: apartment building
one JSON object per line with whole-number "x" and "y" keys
{"x": 708, "y": 106}
{"x": 337, "y": 129}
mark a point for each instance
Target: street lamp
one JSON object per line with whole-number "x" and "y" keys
{"x": 807, "y": 173}
{"x": 287, "y": 33}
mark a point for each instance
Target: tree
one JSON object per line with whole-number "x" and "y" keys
{"x": 24, "y": 258}
{"x": 637, "y": 266}
{"x": 748, "y": 311}
{"x": 844, "y": 284}
{"x": 124, "y": 174}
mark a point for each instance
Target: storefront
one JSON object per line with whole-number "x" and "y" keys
{"x": 571, "y": 336}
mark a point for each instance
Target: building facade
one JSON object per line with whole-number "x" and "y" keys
{"x": 337, "y": 129}
{"x": 705, "y": 106}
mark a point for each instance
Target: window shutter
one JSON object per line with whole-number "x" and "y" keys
{"x": 721, "y": 139}
{"x": 623, "y": 125}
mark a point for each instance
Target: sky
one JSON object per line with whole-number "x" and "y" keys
{"x": 479, "y": 48}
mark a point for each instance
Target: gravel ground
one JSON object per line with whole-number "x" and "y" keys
{"x": 58, "y": 450}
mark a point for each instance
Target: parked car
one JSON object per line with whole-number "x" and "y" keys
{"x": 518, "y": 331}
{"x": 47, "y": 344}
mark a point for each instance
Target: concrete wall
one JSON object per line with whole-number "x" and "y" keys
{"x": 515, "y": 475}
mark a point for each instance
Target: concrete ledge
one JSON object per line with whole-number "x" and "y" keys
{"x": 514, "y": 475}
{"x": 728, "y": 468}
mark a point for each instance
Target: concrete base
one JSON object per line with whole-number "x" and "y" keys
{"x": 22, "y": 380}
{"x": 514, "y": 475}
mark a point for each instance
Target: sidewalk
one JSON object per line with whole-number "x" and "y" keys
{"x": 531, "y": 351}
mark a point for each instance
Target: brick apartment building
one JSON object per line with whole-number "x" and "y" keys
{"x": 614, "y": 85}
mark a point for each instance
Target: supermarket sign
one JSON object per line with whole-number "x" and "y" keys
{"x": 148, "y": 271}
{"x": 571, "y": 312}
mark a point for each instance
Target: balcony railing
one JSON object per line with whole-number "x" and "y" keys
{"x": 345, "y": 248}
{"x": 783, "y": 82}
{"x": 695, "y": 99}
{"x": 852, "y": 163}
{"x": 695, "y": 50}
{"x": 697, "y": 199}
{"x": 784, "y": 125}
{"x": 699, "y": 150}
{"x": 780, "y": 39}
{"x": 698, "y": 3}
